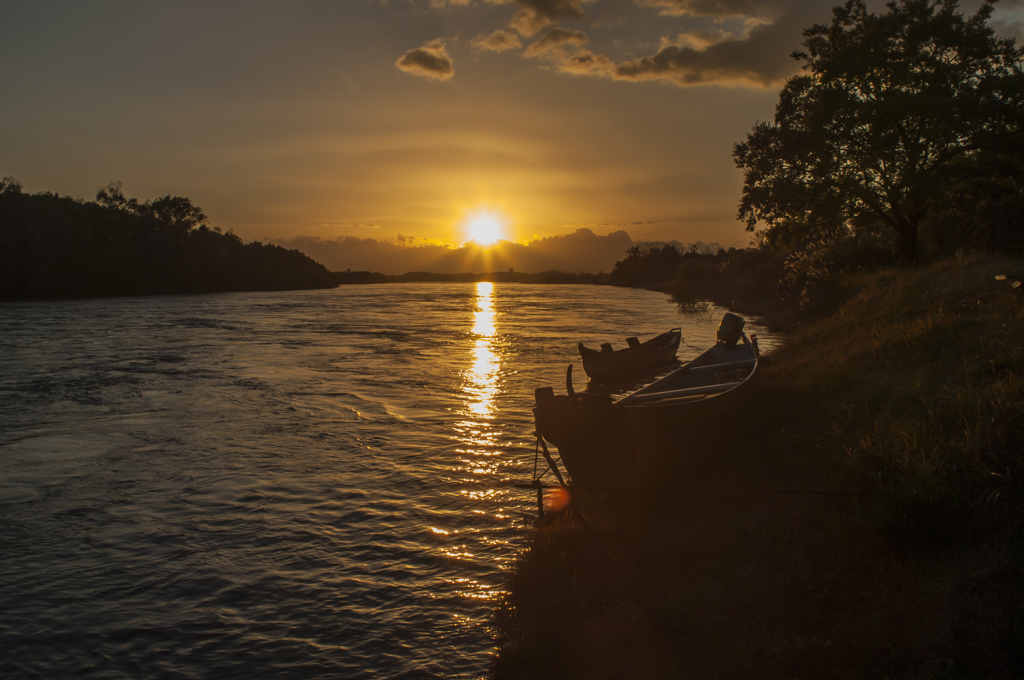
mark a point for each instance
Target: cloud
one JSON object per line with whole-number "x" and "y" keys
{"x": 744, "y": 43}
{"x": 442, "y": 4}
{"x": 536, "y": 15}
{"x": 498, "y": 41}
{"x": 586, "y": 63}
{"x": 758, "y": 58}
{"x": 555, "y": 41}
{"x": 719, "y": 8}
{"x": 1009, "y": 29}
{"x": 430, "y": 61}
{"x": 698, "y": 39}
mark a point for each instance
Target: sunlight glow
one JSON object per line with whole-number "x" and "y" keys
{"x": 485, "y": 228}
{"x": 556, "y": 498}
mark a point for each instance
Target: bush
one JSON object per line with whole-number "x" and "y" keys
{"x": 812, "y": 273}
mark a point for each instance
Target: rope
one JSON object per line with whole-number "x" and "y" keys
{"x": 698, "y": 351}
{"x": 710, "y": 489}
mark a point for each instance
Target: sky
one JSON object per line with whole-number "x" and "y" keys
{"x": 405, "y": 121}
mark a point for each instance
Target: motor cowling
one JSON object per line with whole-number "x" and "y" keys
{"x": 730, "y": 330}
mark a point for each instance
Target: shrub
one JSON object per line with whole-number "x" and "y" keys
{"x": 812, "y": 273}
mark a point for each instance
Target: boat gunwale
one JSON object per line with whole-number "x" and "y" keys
{"x": 684, "y": 370}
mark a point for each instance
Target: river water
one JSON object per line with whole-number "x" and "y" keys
{"x": 309, "y": 484}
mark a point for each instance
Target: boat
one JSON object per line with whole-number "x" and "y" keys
{"x": 637, "y": 358}
{"x": 604, "y": 442}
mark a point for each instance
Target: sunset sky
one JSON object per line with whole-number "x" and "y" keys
{"x": 374, "y": 119}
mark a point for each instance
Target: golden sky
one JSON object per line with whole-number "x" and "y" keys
{"x": 374, "y": 119}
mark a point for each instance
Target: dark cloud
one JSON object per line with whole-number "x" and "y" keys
{"x": 555, "y": 40}
{"x": 536, "y": 15}
{"x": 580, "y": 251}
{"x": 498, "y": 41}
{"x": 430, "y": 61}
{"x": 760, "y": 58}
{"x": 586, "y": 63}
{"x": 720, "y": 8}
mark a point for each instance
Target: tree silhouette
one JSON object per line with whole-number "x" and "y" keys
{"x": 57, "y": 246}
{"x": 648, "y": 263}
{"x": 887, "y": 104}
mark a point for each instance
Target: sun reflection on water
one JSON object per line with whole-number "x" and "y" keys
{"x": 478, "y": 436}
{"x": 483, "y": 378}
{"x": 479, "y": 439}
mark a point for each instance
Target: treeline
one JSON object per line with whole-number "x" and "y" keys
{"x": 56, "y": 246}
{"x": 553, "y": 276}
{"x": 782, "y": 285}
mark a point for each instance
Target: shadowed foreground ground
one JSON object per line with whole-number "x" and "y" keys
{"x": 911, "y": 396}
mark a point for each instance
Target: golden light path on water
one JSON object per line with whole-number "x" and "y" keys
{"x": 477, "y": 434}
{"x": 481, "y": 434}
{"x": 483, "y": 379}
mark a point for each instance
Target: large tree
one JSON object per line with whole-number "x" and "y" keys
{"x": 888, "y": 106}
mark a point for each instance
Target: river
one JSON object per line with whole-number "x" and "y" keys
{"x": 307, "y": 484}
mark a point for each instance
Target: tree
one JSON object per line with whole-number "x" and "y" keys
{"x": 10, "y": 185}
{"x": 652, "y": 262}
{"x": 111, "y": 196}
{"x": 887, "y": 104}
{"x": 177, "y": 212}
{"x": 177, "y": 215}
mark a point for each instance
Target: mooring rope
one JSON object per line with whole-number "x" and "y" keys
{"x": 710, "y": 489}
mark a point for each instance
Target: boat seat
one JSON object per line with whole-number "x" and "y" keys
{"x": 637, "y": 399}
{"x": 633, "y": 342}
{"x": 607, "y": 347}
{"x": 714, "y": 368}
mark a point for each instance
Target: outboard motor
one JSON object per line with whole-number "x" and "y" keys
{"x": 731, "y": 329}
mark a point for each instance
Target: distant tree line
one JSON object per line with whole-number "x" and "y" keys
{"x": 57, "y": 246}
{"x": 511, "y": 276}
{"x": 649, "y": 265}
{"x": 784, "y": 284}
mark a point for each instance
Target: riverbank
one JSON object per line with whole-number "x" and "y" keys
{"x": 864, "y": 520}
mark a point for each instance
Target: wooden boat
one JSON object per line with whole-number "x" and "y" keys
{"x": 605, "y": 443}
{"x": 638, "y": 357}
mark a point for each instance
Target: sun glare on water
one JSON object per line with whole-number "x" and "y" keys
{"x": 485, "y": 229}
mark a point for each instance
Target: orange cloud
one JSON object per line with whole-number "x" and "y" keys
{"x": 719, "y": 8}
{"x": 554, "y": 42}
{"x": 536, "y": 15}
{"x": 430, "y": 61}
{"x": 586, "y": 63}
{"x": 760, "y": 59}
{"x": 498, "y": 41}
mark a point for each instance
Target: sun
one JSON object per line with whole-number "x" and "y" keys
{"x": 485, "y": 229}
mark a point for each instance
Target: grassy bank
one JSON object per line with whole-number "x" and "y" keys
{"x": 864, "y": 520}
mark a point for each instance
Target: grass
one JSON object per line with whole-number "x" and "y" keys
{"x": 912, "y": 393}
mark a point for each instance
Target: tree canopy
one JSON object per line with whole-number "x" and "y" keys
{"x": 884, "y": 123}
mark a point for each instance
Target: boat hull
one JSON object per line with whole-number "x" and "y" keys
{"x": 631, "y": 361}
{"x": 644, "y": 435}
